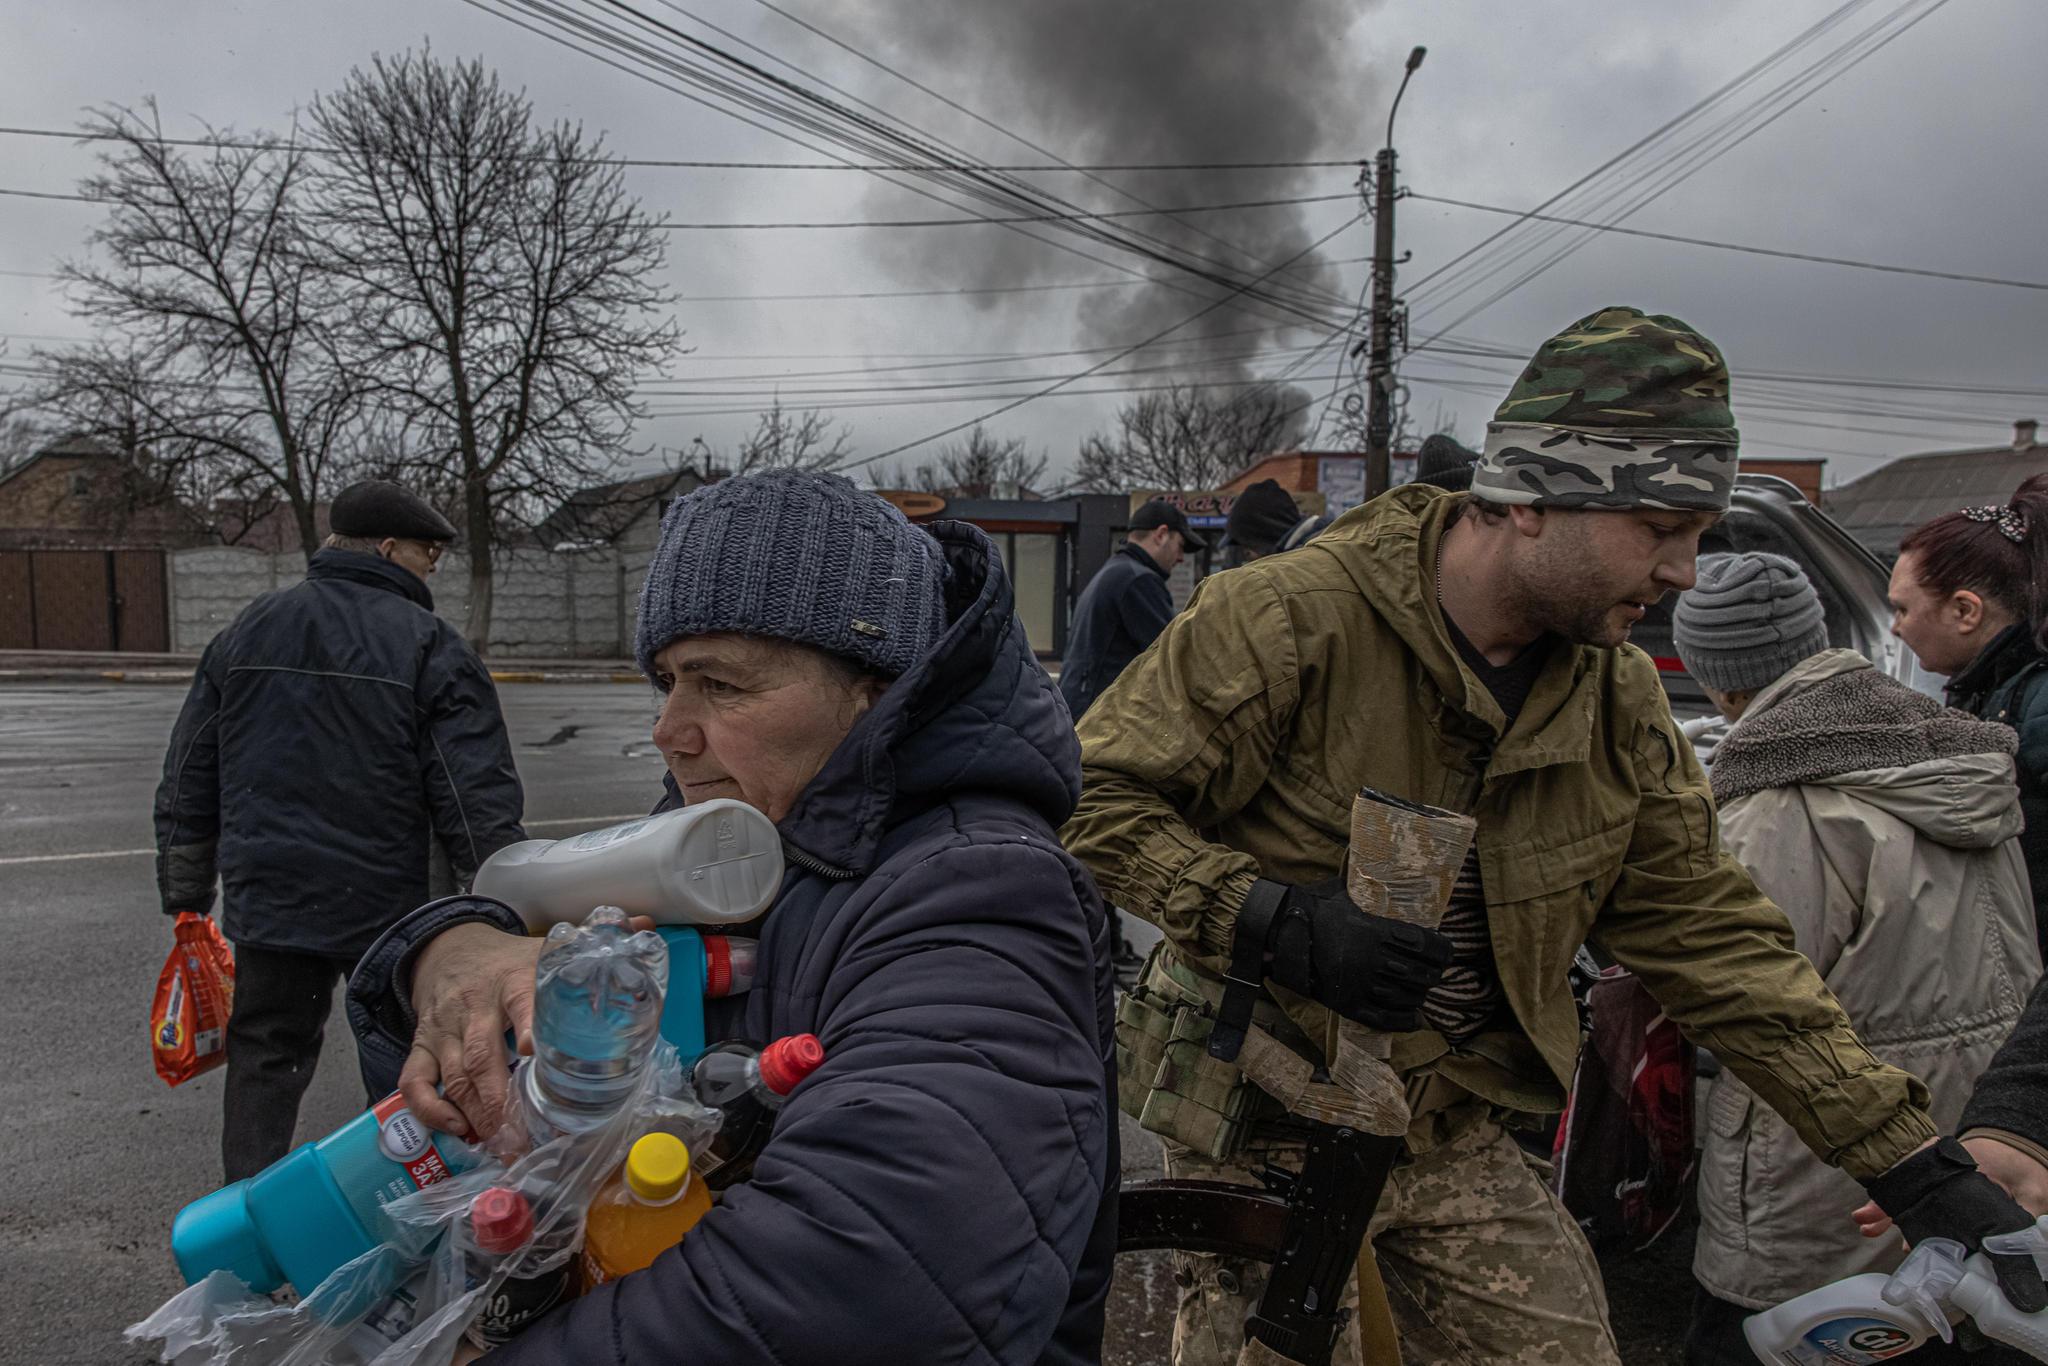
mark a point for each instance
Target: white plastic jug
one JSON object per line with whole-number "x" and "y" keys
{"x": 715, "y": 863}
{"x": 1872, "y": 1317}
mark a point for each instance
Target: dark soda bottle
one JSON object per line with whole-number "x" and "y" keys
{"x": 748, "y": 1086}
{"x": 501, "y": 1222}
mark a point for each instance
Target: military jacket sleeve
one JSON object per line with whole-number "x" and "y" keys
{"x": 1183, "y": 739}
{"x": 1719, "y": 958}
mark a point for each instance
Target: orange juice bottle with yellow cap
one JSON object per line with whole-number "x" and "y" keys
{"x": 643, "y": 1211}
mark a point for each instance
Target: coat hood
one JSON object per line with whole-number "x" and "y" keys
{"x": 977, "y": 713}
{"x": 1835, "y": 721}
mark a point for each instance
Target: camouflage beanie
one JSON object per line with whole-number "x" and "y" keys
{"x": 1620, "y": 410}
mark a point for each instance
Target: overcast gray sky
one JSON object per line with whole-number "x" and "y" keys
{"x": 1926, "y": 155}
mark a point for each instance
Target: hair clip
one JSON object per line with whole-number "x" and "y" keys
{"x": 2011, "y": 522}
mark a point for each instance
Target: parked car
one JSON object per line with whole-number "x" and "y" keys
{"x": 1769, "y": 514}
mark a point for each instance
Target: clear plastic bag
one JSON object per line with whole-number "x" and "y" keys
{"x": 407, "y": 1302}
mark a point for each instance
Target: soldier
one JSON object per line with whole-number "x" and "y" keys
{"x": 1218, "y": 776}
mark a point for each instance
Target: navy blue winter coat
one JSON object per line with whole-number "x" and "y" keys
{"x": 1119, "y": 614}
{"x": 943, "y": 1188}
{"x": 334, "y": 730}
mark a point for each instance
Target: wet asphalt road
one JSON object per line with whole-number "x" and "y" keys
{"x": 97, "y": 1155}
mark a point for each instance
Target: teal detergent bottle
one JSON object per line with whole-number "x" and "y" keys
{"x": 315, "y": 1209}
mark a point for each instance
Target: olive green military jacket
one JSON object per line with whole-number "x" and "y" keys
{"x": 1232, "y": 750}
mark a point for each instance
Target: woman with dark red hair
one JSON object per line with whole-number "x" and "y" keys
{"x": 1969, "y": 596}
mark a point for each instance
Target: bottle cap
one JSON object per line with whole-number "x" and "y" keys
{"x": 788, "y": 1061}
{"x": 502, "y": 1220}
{"x": 657, "y": 1166}
{"x": 717, "y": 966}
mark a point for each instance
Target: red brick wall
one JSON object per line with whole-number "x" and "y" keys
{"x": 1803, "y": 475}
{"x": 82, "y": 500}
{"x": 1296, "y": 473}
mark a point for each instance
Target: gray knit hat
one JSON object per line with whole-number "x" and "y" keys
{"x": 794, "y": 556}
{"x": 1749, "y": 619}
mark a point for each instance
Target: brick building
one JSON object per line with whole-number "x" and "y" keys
{"x": 83, "y": 533}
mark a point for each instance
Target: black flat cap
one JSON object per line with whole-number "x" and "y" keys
{"x": 380, "y": 508}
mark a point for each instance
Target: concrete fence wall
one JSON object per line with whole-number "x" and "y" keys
{"x": 547, "y": 605}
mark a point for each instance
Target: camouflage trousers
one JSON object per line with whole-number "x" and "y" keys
{"x": 1483, "y": 1266}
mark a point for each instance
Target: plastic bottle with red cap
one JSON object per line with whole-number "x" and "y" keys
{"x": 501, "y": 1226}
{"x": 748, "y": 1086}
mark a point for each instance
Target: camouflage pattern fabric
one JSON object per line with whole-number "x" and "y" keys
{"x": 1622, "y": 409}
{"x": 1552, "y": 467}
{"x": 1483, "y": 1266}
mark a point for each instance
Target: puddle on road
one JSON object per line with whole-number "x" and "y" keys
{"x": 560, "y": 737}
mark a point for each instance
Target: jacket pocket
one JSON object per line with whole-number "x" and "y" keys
{"x": 1548, "y": 894}
{"x": 1167, "y": 1081}
{"x": 1724, "y": 1167}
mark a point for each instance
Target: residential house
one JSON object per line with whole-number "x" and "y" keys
{"x": 1882, "y": 506}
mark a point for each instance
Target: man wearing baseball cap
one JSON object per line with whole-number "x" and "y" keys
{"x": 339, "y": 740}
{"x": 1126, "y": 605}
{"x": 1469, "y": 651}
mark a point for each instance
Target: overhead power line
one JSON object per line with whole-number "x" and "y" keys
{"x": 973, "y": 222}
{"x": 279, "y": 145}
{"x": 650, "y": 50}
{"x": 1530, "y": 215}
{"x": 1104, "y": 364}
{"x": 49, "y": 194}
{"x": 1679, "y": 164}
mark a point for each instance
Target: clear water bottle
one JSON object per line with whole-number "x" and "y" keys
{"x": 596, "y": 1013}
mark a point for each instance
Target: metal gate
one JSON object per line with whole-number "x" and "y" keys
{"x": 96, "y": 601}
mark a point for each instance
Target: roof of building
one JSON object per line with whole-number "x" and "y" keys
{"x": 1882, "y": 506}
{"x": 75, "y": 445}
{"x": 602, "y": 512}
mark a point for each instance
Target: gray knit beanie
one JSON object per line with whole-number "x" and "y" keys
{"x": 1749, "y": 619}
{"x": 794, "y": 556}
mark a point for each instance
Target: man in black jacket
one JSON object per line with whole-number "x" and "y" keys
{"x": 336, "y": 732}
{"x": 1126, "y": 605}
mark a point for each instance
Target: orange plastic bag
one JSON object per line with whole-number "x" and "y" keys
{"x": 188, "y": 1025}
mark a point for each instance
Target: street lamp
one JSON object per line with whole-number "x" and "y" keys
{"x": 1379, "y": 374}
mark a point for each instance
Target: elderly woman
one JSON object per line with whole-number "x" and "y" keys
{"x": 943, "y": 1189}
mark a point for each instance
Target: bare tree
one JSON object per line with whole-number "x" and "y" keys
{"x": 503, "y": 287}
{"x": 20, "y": 439}
{"x": 978, "y": 466}
{"x": 781, "y": 440}
{"x": 218, "y": 348}
{"x": 1188, "y": 438}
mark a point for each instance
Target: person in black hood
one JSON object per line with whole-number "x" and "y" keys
{"x": 1444, "y": 463}
{"x": 1264, "y": 520}
{"x": 335, "y": 734}
{"x": 943, "y": 1187}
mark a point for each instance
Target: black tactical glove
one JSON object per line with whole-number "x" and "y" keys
{"x": 1365, "y": 967}
{"x": 1939, "y": 1193}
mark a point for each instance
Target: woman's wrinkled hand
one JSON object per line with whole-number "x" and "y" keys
{"x": 470, "y": 984}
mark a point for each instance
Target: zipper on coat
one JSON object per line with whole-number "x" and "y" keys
{"x": 815, "y": 865}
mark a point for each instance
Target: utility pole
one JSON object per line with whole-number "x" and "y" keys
{"x": 1379, "y": 373}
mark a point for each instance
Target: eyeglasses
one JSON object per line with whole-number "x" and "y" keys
{"x": 431, "y": 549}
